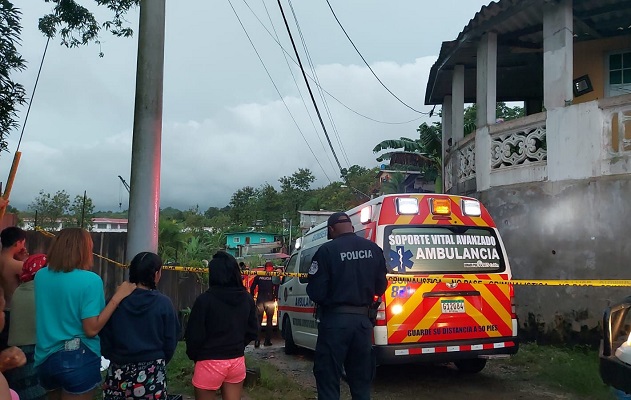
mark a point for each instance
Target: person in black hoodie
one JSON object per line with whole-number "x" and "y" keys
{"x": 222, "y": 322}
{"x": 140, "y": 337}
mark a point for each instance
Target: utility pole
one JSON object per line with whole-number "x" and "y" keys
{"x": 144, "y": 199}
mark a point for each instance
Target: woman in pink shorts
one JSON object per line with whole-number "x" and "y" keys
{"x": 222, "y": 322}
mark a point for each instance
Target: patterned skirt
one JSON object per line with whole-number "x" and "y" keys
{"x": 142, "y": 380}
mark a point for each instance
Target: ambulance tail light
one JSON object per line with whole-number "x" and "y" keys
{"x": 471, "y": 208}
{"x": 407, "y": 205}
{"x": 511, "y": 294}
{"x": 381, "y": 314}
{"x": 440, "y": 206}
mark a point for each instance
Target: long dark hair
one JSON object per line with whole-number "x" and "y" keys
{"x": 224, "y": 270}
{"x": 143, "y": 268}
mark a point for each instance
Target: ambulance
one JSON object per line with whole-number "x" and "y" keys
{"x": 437, "y": 248}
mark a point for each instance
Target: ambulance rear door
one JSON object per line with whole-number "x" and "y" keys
{"x": 430, "y": 311}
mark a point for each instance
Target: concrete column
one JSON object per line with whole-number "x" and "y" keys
{"x": 558, "y": 50}
{"x": 446, "y": 135}
{"x": 486, "y": 92}
{"x": 144, "y": 198}
{"x": 457, "y": 103}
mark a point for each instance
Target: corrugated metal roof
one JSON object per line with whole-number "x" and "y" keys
{"x": 519, "y": 27}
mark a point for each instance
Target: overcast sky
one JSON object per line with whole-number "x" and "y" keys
{"x": 224, "y": 125}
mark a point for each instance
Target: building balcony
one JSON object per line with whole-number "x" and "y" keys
{"x": 580, "y": 141}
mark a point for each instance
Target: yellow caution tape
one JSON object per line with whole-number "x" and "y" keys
{"x": 407, "y": 278}
{"x": 521, "y": 282}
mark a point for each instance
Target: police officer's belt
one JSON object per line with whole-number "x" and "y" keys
{"x": 347, "y": 310}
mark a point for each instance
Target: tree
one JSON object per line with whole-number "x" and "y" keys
{"x": 193, "y": 219}
{"x": 80, "y": 214}
{"x": 242, "y": 210}
{"x": 502, "y": 112}
{"x": 75, "y": 24}
{"x": 396, "y": 184}
{"x": 50, "y": 209}
{"x": 295, "y": 191}
{"x": 12, "y": 94}
{"x": 428, "y": 147}
{"x": 171, "y": 239}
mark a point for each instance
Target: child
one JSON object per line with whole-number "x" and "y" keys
{"x": 222, "y": 322}
{"x": 140, "y": 337}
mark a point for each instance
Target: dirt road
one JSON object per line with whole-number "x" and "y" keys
{"x": 498, "y": 381}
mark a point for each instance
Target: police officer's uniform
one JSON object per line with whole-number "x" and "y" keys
{"x": 345, "y": 275}
{"x": 267, "y": 294}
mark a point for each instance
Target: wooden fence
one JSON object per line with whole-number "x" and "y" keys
{"x": 181, "y": 287}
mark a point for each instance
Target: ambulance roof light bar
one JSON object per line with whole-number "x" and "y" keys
{"x": 440, "y": 206}
{"x": 471, "y": 208}
{"x": 407, "y": 205}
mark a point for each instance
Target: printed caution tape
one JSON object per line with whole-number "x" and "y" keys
{"x": 408, "y": 278}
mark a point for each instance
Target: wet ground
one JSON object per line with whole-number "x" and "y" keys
{"x": 498, "y": 381}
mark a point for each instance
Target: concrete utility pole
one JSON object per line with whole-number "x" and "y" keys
{"x": 144, "y": 197}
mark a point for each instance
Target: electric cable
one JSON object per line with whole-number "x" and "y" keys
{"x": 323, "y": 89}
{"x": 315, "y": 75}
{"x": 371, "y": 70}
{"x": 28, "y": 110}
{"x": 293, "y": 77}
{"x": 277, "y": 90}
{"x": 309, "y": 87}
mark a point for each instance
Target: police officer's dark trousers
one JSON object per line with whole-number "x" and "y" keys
{"x": 344, "y": 339}
{"x": 269, "y": 308}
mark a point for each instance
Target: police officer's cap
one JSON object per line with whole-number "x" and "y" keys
{"x": 337, "y": 218}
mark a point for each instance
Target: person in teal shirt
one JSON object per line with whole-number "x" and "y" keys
{"x": 70, "y": 311}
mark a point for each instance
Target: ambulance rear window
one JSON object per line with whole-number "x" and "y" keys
{"x": 442, "y": 249}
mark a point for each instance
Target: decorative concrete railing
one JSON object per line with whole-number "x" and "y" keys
{"x": 466, "y": 158}
{"x": 460, "y": 162}
{"x": 519, "y": 142}
{"x": 617, "y": 122}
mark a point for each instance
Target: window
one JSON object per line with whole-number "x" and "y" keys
{"x": 122, "y": 226}
{"x": 236, "y": 240}
{"x": 305, "y": 261}
{"x": 292, "y": 266}
{"x": 442, "y": 249}
{"x": 263, "y": 240}
{"x": 619, "y": 73}
{"x": 101, "y": 226}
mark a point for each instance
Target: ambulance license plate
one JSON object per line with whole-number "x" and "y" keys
{"x": 452, "y": 306}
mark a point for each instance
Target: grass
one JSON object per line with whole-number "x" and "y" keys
{"x": 180, "y": 372}
{"x": 272, "y": 383}
{"x": 275, "y": 384}
{"x": 568, "y": 370}
{"x": 572, "y": 370}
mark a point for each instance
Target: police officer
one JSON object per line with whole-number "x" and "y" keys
{"x": 267, "y": 295}
{"x": 345, "y": 275}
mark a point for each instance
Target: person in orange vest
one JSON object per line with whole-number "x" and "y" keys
{"x": 267, "y": 295}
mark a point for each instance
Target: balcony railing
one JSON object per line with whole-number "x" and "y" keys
{"x": 519, "y": 142}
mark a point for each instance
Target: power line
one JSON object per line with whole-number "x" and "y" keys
{"x": 277, "y": 91}
{"x": 28, "y": 110}
{"x": 293, "y": 77}
{"x": 365, "y": 62}
{"x": 309, "y": 87}
{"x": 315, "y": 75}
{"x": 323, "y": 89}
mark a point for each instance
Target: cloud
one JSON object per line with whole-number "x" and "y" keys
{"x": 206, "y": 159}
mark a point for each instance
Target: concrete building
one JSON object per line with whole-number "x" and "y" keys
{"x": 309, "y": 219}
{"x": 243, "y": 244}
{"x": 556, "y": 181}
{"x": 109, "y": 225}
